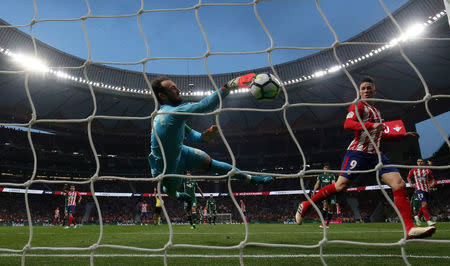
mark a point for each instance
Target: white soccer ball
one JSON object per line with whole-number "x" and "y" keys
{"x": 265, "y": 87}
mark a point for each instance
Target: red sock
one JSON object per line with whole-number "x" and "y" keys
{"x": 322, "y": 194}
{"x": 402, "y": 203}
{"x": 70, "y": 221}
{"x": 425, "y": 213}
{"x": 420, "y": 212}
{"x": 73, "y": 221}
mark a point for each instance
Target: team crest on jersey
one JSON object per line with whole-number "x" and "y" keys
{"x": 397, "y": 129}
{"x": 350, "y": 115}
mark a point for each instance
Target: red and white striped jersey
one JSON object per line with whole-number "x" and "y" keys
{"x": 422, "y": 177}
{"x": 73, "y": 197}
{"x": 56, "y": 212}
{"x": 243, "y": 207}
{"x": 205, "y": 212}
{"x": 144, "y": 207}
{"x": 369, "y": 115}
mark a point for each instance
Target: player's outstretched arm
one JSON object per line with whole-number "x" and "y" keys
{"x": 316, "y": 186}
{"x": 201, "y": 192}
{"x": 211, "y": 101}
{"x": 409, "y": 178}
{"x": 393, "y": 137}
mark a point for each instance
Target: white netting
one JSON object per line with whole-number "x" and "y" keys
{"x": 287, "y": 105}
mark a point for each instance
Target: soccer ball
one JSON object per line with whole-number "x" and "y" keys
{"x": 265, "y": 87}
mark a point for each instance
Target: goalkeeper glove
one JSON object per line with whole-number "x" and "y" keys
{"x": 239, "y": 82}
{"x": 210, "y": 133}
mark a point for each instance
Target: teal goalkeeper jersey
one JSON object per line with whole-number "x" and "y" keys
{"x": 326, "y": 179}
{"x": 171, "y": 129}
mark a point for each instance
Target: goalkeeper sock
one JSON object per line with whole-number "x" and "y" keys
{"x": 159, "y": 219}
{"x": 190, "y": 219}
{"x": 404, "y": 207}
{"x": 214, "y": 220}
{"x": 425, "y": 213}
{"x": 322, "y": 194}
{"x": 223, "y": 168}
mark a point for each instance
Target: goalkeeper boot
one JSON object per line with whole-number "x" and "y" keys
{"x": 430, "y": 223}
{"x": 193, "y": 226}
{"x": 421, "y": 232}
{"x": 299, "y": 215}
{"x": 417, "y": 220}
{"x": 66, "y": 227}
{"x": 258, "y": 180}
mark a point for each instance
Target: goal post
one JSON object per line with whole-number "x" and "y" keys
{"x": 224, "y": 218}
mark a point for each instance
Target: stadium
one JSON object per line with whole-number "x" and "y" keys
{"x": 85, "y": 123}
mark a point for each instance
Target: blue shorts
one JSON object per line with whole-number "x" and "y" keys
{"x": 359, "y": 161}
{"x": 72, "y": 209}
{"x": 188, "y": 160}
{"x": 144, "y": 214}
{"x": 422, "y": 195}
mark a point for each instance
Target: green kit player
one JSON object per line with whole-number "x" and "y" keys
{"x": 323, "y": 180}
{"x": 190, "y": 206}
{"x": 416, "y": 204}
{"x": 212, "y": 209}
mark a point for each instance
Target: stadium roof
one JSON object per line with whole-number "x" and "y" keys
{"x": 62, "y": 98}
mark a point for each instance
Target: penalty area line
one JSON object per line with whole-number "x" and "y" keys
{"x": 227, "y": 256}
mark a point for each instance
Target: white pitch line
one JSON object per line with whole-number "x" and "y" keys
{"x": 319, "y": 231}
{"x": 226, "y": 256}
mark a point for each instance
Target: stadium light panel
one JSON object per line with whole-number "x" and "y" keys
{"x": 30, "y": 63}
{"x": 413, "y": 31}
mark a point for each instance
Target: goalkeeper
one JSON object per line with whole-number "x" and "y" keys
{"x": 172, "y": 130}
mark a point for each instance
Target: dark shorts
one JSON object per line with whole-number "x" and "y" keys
{"x": 189, "y": 204}
{"x": 331, "y": 200}
{"x": 72, "y": 209}
{"x": 422, "y": 195}
{"x": 144, "y": 214}
{"x": 416, "y": 205}
{"x": 158, "y": 210}
{"x": 358, "y": 161}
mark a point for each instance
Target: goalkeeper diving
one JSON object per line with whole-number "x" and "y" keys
{"x": 172, "y": 130}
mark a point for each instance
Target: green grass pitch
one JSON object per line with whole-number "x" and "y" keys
{"x": 419, "y": 253}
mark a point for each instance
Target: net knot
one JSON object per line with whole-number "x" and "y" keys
{"x": 302, "y": 173}
{"x": 94, "y": 178}
{"x": 93, "y": 247}
{"x": 379, "y": 166}
{"x": 427, "y": 97}
{"x": 28, "y": 183}
{"x": 26, "y": 248}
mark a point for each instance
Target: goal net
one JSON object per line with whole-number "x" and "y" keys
{"x": 223, "y": 218}
{"x": 348, "y": 59}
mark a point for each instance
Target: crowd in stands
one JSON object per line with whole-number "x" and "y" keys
{"x": 259, "y": 208}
